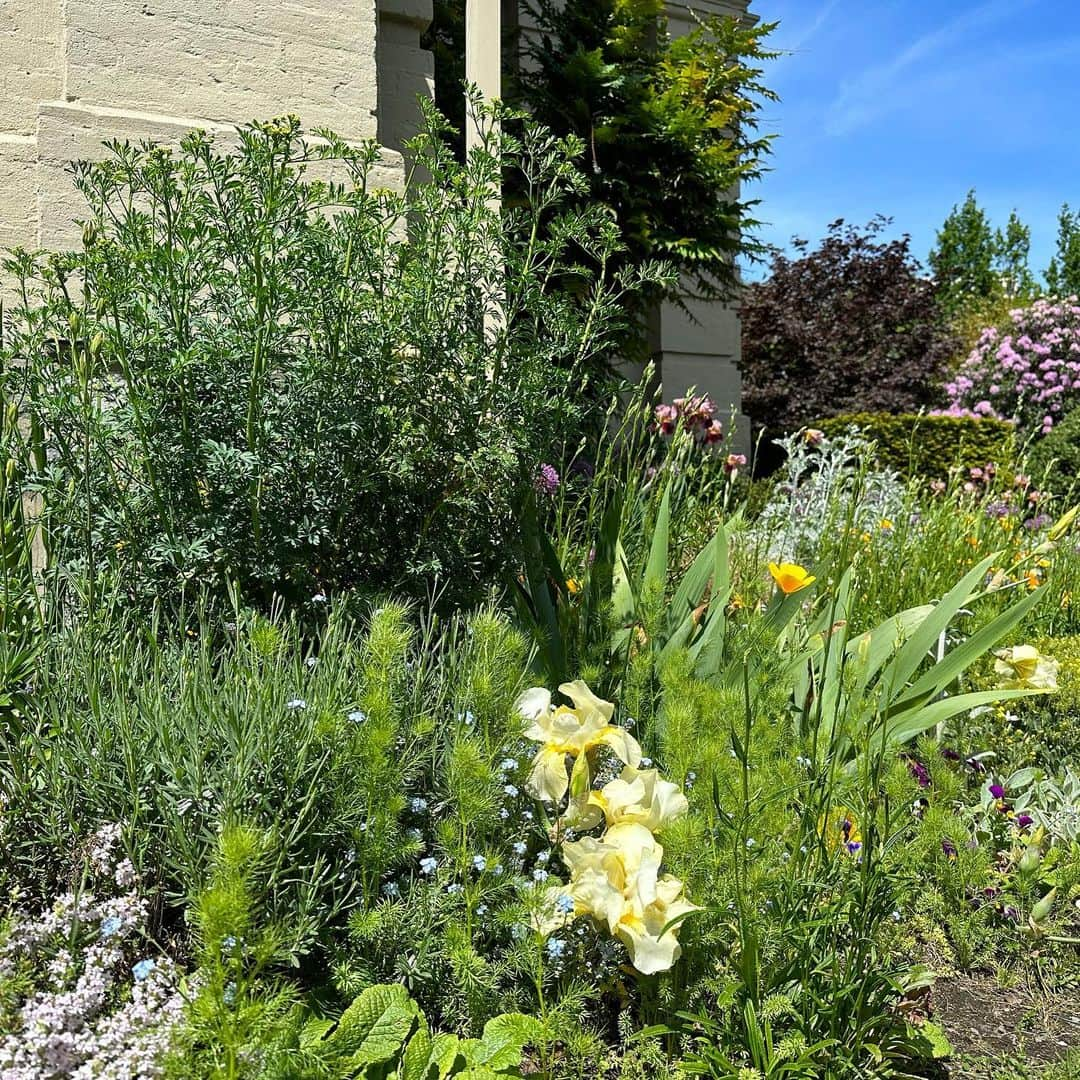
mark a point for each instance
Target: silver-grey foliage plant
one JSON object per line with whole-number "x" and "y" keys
{"x": 826, "y": 484}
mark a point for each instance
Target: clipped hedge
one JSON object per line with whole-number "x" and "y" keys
{"x": 914, "y": 444}
{"x": 1054, "y": 460}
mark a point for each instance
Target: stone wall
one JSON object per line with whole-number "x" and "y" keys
{"x": 76, "y": 72}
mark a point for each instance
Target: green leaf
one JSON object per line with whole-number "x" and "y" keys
{"x": 472, "y": 1050}
{"x": 417, "y": 1063}
{"x": 314, "y": 1031}
{"x": 909, "y": 725}
{"x": 623, "y": 602}
{"x": 445, "y": 1051}
{"x": 964, "y": 655}
{"x": 375, "y": 1026}
{"x": 505, "y": 1037}
{"x": 931, "y": 1040}
{"x": 914, "y": 651}
{"x": 879, "y": 644}
{"x": 693, "y": 585}
{"x": 656, "y": 568}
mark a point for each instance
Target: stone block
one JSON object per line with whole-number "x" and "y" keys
{"x": 227, "y": 60}
{"x": 30, "y": 61}
{"x": 18, "y": 192}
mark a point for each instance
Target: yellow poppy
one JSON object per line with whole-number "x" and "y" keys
{"x": 790, "y": 577}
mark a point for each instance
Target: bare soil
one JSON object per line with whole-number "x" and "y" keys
{"x": 990, "y": 1026}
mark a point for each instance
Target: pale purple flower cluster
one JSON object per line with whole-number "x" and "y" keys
{"x": 547, "y": 480}
{"x": 1029, "y": 375}
{"x": 89, "y": 1016}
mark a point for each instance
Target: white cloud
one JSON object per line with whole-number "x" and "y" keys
{"x": 805, "y": 32}
{"x": 876, "y": 88}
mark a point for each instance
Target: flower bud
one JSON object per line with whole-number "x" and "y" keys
{"x": 1041, "y": 911}
{"x": 1063, "y": 524}
{"x": 1029, "y": 861}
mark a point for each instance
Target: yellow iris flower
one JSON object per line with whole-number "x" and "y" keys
{"x": 637, "y": 797}
{"x": 569, "y": 731}
{"x": 617, "y": 882}
{"x": 790, "y": 577}
{"x": 1023, "y": 667}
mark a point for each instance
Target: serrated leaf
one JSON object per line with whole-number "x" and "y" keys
{"x": 417, "y": 1062}
{"x": 472, "y": 1050}
{"x": 505, "y": 1037}
{"x": 444, "y": 1053}
{"x": 375, "y": 1026}
{"x": 314, "y": 1031}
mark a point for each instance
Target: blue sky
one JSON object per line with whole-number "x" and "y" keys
{"x": 899, "y": 107}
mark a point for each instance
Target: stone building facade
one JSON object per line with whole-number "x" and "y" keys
{"x": 76, "y": 72}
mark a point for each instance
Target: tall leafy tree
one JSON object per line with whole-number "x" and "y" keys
{"x": 670, "y": 124}
{"x": 962, "y": 259}
{"x": 1063, "y": 273}
{"x": 1012, "y": 251}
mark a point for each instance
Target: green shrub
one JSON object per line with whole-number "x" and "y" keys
{"x": 916, "y": 445}
{"x": 1054, "y": 460}
{"x": 244, "y": 1012}
{"x": 300, "y": 386}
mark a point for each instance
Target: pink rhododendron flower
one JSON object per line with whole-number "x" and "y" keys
{"x": 1027, "y": 373}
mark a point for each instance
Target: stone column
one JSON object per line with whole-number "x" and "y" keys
{"x": 703, "y": 348}
{"x": 406, "y": 71}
